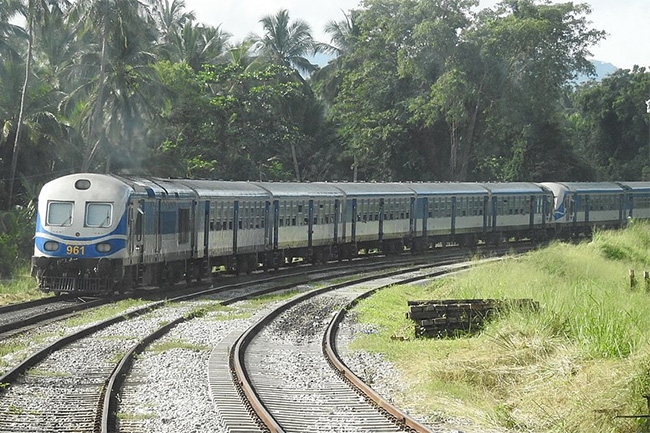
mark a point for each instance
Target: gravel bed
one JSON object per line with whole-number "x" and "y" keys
{"x": 168, "y": 390}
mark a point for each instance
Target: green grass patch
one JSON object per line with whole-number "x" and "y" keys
{"x": 104, "y": 312}
{"x": 22, "y": 287}
{"x": 177, "y": 344}
{"x": 135, "y": 416}
{"x": 263, "y": 300}
{"x": 583, "y": 358}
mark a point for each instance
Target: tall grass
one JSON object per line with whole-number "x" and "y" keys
{"x": 583, "y": 358}
{"x": 21, "y": 287}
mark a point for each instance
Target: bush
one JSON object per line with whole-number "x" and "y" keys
{"x": 16, "y": 235}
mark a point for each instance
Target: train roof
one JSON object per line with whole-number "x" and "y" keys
{"x": 362, "y": 189}
{"x": 90, "y": 182}
{"x": 457, "y": 188}
{"x": 585, "y": 187}
{"x": 637, "y": 186}
{"x": 300, "y": 190}
{"x": 220, "y": 188}
{"x": 510, "y": 188}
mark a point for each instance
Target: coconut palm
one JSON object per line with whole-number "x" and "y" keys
{"x": 199, "y": 45}
{"x": 10, "y": 33}
{"x": 343, "y": 36}
{"x": 170, "y": 18}
{"x": 113, "y": 75}
{"x": 36, "y": 14}
{"x": 286, "y": 43}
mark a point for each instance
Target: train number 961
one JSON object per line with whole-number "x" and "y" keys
{"x": 75, "y": 250}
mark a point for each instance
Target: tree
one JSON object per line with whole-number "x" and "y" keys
{"x": 117, "y": 92}
{"x": 392, "y": 131}
{"x": 611, "y": 124}
{"x": 234, "y": 122}
{"x": 326, "y": 81}
{"x": 286, "y": 43}
{"x": 530, "y": 53}
{"x": 437, "y": 92}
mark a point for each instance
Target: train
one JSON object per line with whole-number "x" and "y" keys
{"x": 97, "y": 234}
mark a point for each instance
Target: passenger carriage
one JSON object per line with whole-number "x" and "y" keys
{"x": 97, "y": 233}
{"x": 304, "y": 221}
{"x": 448, "y": 212}
{"x": 375, "y": 216}
{"x": 517, "y": 210}
{"x": 581, "y": 206}
{"x": 637, "y": 199}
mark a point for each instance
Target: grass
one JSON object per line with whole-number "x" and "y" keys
{"x": 104, "y": 312}
{"x": 571, "y": 367}
{"x": 21, "y": 288}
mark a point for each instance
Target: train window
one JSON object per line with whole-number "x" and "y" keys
{"x": 98, "y": 214}
{"x": 183, "y": 226}
{"x": 59, "y": 213}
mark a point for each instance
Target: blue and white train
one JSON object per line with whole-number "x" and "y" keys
{"x": 99, "y": 233}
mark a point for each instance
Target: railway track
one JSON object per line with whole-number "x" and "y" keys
{"x": 290, "y": 372}
{"x": 76, "y": 384}
{"x": 21, "y": 317}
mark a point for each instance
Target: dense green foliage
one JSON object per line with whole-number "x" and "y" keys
{"x": 415, "y": 90}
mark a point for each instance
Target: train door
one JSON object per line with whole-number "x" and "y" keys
{"x": 269, "y": 226}
{"x": 486, "y": 206}
{"x": 235, "y": 226}
{"x": 137, "y": 244}
{"x": 453, "y": 215}
{"x": 413, "y": 220}
{"x": 158, "y": 229}
{"x": 310, "y": 223}
{"x": 381, "y": 219}
{"x": 337, "y": 219}
{"x": 621, "y": 209}
{"x": 425, "y": 217}
{"x": 206, "y": 229}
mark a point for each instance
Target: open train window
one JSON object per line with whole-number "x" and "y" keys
{"x": 59, "y": 213}
{"x": 98, "y": 214}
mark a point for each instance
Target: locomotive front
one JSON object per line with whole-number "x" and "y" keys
{"x": 81, "y": 234}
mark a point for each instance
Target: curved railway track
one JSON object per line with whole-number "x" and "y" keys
{"x": 78, "y": 382}
{"x": 291, "y": 375}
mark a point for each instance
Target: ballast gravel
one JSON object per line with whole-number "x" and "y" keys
{"x": 167, "y": 390}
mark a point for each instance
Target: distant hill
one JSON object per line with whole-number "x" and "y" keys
{"x": 602, "y": 70}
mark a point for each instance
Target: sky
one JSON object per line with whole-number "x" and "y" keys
{"x": 627, "y": 22}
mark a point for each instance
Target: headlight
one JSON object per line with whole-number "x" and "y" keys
{"x": 51, "y": 246}
{"x": 103, "y": 247}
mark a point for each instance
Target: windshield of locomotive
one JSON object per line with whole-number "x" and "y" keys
{"x": 59, "y": 213}
{"x": 98, "y": 214}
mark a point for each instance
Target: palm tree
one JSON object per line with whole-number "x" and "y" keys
{"x": 10, "y": 32}
{"x": 112, "y": 87}
{"x": 170, "y": 18}
{"x": 343, "y": 35}
{"x": 286, "y": 43}
{"x": 198, "y": 45}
